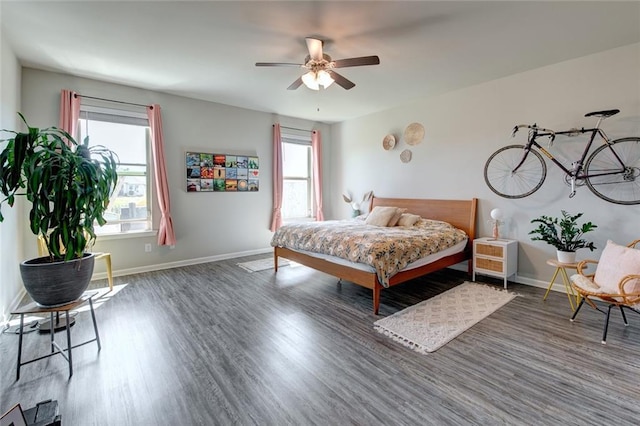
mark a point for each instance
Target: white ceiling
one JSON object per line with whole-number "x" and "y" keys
{"x": 207, "y": 49}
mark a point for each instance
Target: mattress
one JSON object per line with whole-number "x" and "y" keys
{"x": 458, "y": 248}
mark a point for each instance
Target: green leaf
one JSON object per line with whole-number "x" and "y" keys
{"x": 563, "y": 233}
{"x": 68, "y": 190}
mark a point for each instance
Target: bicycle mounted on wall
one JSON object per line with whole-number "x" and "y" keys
{"x": 611, "y": 172}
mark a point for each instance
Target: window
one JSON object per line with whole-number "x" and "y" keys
{"x": 296, "y": 171}
{"x": 127, "y": 134}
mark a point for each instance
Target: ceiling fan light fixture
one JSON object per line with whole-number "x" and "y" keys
{"x": 324, "y": 78}
{"x": 311, "y": 81}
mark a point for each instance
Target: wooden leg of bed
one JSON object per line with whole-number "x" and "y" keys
{"x": 376, "y": 298}
{"x": 275, "y": 261}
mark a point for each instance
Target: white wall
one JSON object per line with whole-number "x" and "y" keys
{"x": 208, "y": 225}
{"x": 10, "y": 238}
{"x": 464, "y": 127}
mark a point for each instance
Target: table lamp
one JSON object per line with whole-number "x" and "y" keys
{"x": 496, "y": 215}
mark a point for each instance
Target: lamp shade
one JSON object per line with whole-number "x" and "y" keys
{"x": 314, "y": 79}
{"x": 496, "y": 214}
{"x": 324, "y": 78}
{"x": 310, "y": 80}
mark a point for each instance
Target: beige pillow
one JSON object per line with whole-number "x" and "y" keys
{"x": 394, "y": 220}
{"x": 615, "y": 262}
{"x": 380, "y": 216}
{"x": 408, "y": 219}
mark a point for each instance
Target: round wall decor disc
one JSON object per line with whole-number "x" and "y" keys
{"x": 389, "y": 142}
{"x": 414, "y": 133}
{"x": 405, "y": 156}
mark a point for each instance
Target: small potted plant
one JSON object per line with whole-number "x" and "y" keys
{"x": 68, "y": 185}
{"x": 564, "y": 234}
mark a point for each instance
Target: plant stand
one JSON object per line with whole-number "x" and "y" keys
{"x": 561, "y": 268}
{"x": 58, "y": 323}
{"x": 33, "y": 308}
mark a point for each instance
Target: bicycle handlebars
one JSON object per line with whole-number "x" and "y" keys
{"x": 533, "y": 127}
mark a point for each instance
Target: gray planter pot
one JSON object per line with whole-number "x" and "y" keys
{"x": 52, "y": 284}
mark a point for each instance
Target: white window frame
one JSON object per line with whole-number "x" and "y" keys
{"x": 123, "y": 116}
{"x": 305, "y": 141}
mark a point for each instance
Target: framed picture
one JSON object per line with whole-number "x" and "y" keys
{"x": 13, "y": 417}
{"x": 209, "y": 172}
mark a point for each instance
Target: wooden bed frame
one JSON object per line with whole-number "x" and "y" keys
{"x": 459, "y": 213}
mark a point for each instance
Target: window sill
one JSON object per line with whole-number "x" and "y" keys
{"x": 299, "y": 220}
{"x": 126, "y": 235}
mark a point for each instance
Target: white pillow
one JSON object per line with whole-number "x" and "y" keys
{"x": 380, "y": 216}
{"x": 615, "y": 263}
{"x": 396, "y": 217}
{"x": 408, "y": 219}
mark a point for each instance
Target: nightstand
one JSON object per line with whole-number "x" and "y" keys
{"x": 497, "y": 258}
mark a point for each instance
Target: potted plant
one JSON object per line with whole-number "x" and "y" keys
{"x": 564, "y": 234}
{"x": 68, "y": 185}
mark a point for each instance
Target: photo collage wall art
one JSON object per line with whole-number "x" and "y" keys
{"x": 222, "y": 173}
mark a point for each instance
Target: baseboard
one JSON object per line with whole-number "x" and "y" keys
{"x": 557, "y": 286}
{"x": 15, "y": 303}
{"x": 181, "y": 263}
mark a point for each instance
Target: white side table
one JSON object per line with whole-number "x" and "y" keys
{"x": 497, "y": 258}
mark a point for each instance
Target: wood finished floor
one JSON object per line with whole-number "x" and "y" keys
{"x": 213, "y": 344}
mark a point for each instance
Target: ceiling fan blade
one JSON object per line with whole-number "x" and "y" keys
{"x": 295, "y": 84}
{"x": 277, "y": 64}
{"x": 315, "y": 48}
{"x": 356, "y": 62}
{"x": 341, "y": 81}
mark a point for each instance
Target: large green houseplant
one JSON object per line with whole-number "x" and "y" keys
{"x": 68, "y": 185}
{"x": 564, "y": 233}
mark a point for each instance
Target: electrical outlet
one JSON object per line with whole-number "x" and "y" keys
{"x": 147, "y": 248}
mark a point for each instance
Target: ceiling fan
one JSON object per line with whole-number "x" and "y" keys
{"x": 321, "y": 67}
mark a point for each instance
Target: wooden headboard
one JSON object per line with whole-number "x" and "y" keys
{"x": 459, "y": 213}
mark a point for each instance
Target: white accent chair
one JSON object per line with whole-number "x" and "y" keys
{"x": 616, "y": 281}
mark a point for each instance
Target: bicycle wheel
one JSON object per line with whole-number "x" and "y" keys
{"x": 499, "y": 175}
{"x": 622, "y": 187}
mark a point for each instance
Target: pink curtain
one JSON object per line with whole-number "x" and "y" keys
{"x": 276, "y": 221}
{"x": 69, "y": 112}
{"x": 316, "y": 148}
{"x": 166, "y": 237}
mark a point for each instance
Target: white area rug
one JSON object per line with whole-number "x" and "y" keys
{"x": 429, "y": 325}
{"x": 262, "y": 264}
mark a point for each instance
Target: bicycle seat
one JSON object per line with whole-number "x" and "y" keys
{"x": 603, "y": 114}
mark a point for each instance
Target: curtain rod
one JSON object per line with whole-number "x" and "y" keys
{"x": 111, "y": 100}
{"x": 295, "y": 128}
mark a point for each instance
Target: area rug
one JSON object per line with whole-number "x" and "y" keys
{"x": 262, "y": 264}
{"x": 431, "y": 324}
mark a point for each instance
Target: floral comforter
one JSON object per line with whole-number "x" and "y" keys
{"x": 387, "y": 249}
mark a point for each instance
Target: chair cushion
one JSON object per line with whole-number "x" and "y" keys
{"x": 380, "y": 216}
{"x": 615, "y": 263}
{"x": 585, "y": 283}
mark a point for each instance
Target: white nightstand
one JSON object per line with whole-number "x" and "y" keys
{"x": 498, "y": 258}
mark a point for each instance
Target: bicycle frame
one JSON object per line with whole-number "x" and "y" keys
{"x": 577, "y": 168}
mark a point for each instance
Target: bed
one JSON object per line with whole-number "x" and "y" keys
{"x": 459, "y": 213}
